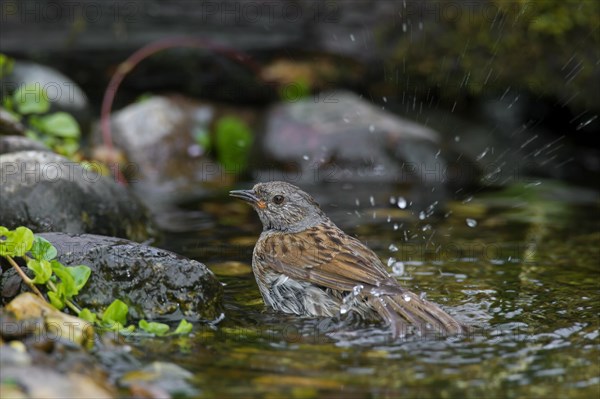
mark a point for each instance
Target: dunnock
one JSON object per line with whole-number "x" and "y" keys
{"x": 305, "y": 265}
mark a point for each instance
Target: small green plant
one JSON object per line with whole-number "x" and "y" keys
{"x": 233, "y": 142}
{"x": 30, "y": 104}
{"x": 6, "y": 65}
{"x": 63, "y": 283}
{"x": 295, "y": 91}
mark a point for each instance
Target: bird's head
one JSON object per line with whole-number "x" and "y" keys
{"x": 282, "y": 206}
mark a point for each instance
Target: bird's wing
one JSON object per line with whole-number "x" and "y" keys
{"x": 325, "y": 256}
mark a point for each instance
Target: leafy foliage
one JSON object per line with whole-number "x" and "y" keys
{"x": 63, "y": 283}
{"x": 233, "y": 143}
{"x": 6, "y": 65}
{"x": 30, "y": 104}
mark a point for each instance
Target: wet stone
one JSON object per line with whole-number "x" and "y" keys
{"x": 10, "y": 144}
{"x": 47, "y": 192}
{"x": 339, "y": 136}
{"x": 154, "y": 283}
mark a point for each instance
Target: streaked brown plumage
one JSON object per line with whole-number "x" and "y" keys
{"x": 305, "y": 265}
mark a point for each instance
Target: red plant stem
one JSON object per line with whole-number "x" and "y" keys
{"x": 133, "y": 60}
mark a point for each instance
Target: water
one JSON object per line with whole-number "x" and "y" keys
{"x": 525, "y": 277}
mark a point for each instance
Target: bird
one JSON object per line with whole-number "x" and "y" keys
{"x": 305, "y": 265}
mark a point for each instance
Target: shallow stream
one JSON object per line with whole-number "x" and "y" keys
{"x": 519, "y": 265}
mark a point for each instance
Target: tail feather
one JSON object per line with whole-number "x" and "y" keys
{"x": 422, "y": 314}
{"x": 397, "y": 324}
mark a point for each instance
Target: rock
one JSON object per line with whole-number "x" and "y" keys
{"x": 20, "y": 143}
{"x": 154, "y": 283}
{"x": 158, "y": 137}
{"x": 39, "y": 343}
{"x": 60, "y": 325}
{"x": 47, "y": 192}
{"x": 168, "y": 379}
{"x": 9, "y": 124}
{"x": 44, "y": 382}
{"x": 338, "y": 136}
{"x": 64, "y": 94}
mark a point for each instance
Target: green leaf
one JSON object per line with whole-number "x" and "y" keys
{"x": 42, "y": 249}
{"x": 31, "y": 99}
{"x": 56, "y": 300}
{"x": 202, "y": 138}
{"x": 116, "y": 312}
{"x": 155, "y": 328}
{"x": 67, "y": 148}
{"x": 88, "y": 315}
{"x": 41, "y": 269}
{"x": 23, "y": 238}
{"x": 80, "y": 275}
{"x": 67, "y": 283}
{"x": 118, "y": 327}
{"x": 32, "y": 134}
{"x": 184, "y": 327}
{"x": 233, "y": 143}
{"x": 6, "y": 65}
{"x": 60, "y": 124}
{"x": 16, "y": 242}
{"x": 295, "y": 91}
{"x": 7, "y": 103}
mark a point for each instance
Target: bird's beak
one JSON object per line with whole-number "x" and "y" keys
{"x": 248, "y": 196}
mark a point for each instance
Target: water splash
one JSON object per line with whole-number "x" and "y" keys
{"x": 401, "y": 203}
{"x": 398, "y": 268}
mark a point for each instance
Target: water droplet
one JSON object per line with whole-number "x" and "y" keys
{"x": 305, "y": 157}
{"x": 401, "y": 202}
{"x": 483, "y": 154}
{"x": 384, "y": 99}
{"x": 584, "y": 124}
{"x": 406, "y": 297}
{"x": 471, "y": 222}
{"x": 371, "y": 128}
{"x": 372, "y": 200}
{"x": 393, "y": 248}
{"x": 457, "y": 138}
{"x": 344, "y": 309}
{"x": 357, "y": 202}
{"x": 398, "y": 268}
{"x": 392, "y": 200}
{"x": 357, "y": 289}
{"x": 396, "y": 227}
{"x": 533, "y": 184}
{"x": 467, "y": 200}
{"x": 422, "y": 215}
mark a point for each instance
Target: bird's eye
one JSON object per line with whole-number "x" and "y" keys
{"x": 278, "y": 199}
